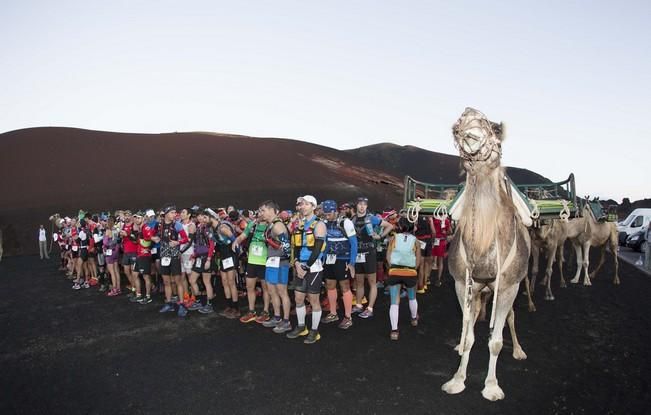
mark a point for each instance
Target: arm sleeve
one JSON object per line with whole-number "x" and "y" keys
{"x": 316, "y": 251}
{"x": 211, "y": 248}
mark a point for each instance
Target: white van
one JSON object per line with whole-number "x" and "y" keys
{"x": 638, "y": 219}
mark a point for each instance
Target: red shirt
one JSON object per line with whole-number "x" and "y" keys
{"x": 442, "y": 228}
{"x": 144, "y": 240}
{"x": 128, "y": 245}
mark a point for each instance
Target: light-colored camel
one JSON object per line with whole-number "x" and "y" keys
{"x": 55, "y": 224}
{"x": 548, "y": 238}
{"x": 490, "y": 250}
{"x": 585, "y": 232}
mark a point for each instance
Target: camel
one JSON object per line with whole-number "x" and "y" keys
{"x": 550, "y": 239}
{"x": 55, "y": 225}
{"x": 585, "y": 232}
{"x": 490, "y": 250}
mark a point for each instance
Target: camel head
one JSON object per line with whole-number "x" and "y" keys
{"x": 478, "y": 140}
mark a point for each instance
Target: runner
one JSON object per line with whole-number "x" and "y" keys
{"x": 187, "y": 255}
{"x": 440, "y": 229}
{"x": 255, "y": 268}
{"x": 204, "y": 250}
{"x": 171, "y": 236}
{"x": 80, "y": 242}
{"x": 308, "y": 243}
{"x": 129, "y": 251}
{"x": 403, "y": 255}
{"x": 339, "y": 266}
{"x": 223, "y": 234}
{"x": 144, "y": 234}
{"x": 277, "y": 266}
{"x": 423, "y": 232}
{"x": 366, "y": 261}
{"x": 111, "y": 248}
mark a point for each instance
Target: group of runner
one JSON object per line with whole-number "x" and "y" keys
{"x": 343, "y": 250}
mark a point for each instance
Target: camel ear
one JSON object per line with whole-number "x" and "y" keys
{"x": 498, "y": 130}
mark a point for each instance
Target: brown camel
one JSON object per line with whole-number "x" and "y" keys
{"x": 550, "y": 239}
{"x": 585, "y": 232}
{"x": 489, "y": 252}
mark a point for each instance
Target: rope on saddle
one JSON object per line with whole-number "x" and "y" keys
{"x": 565, "y": 211}
{"x": 413, "y": 211}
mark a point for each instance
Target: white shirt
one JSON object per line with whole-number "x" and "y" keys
{"x": 41, "y": 235}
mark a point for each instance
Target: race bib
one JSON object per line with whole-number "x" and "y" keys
{"x": 109, "y": 252}
{"x": 75, "y": 248}
{"x": 97, "y": 238}
{"x": 423, "y": 244}
{"x": 227, "y": 263}
{"x": 437, "y": 242}
{"x": 165, "y": 261}
{"x": 379, "y": 248}
{"x": 257, "y": 250}
{"x": 442, "y": 224}
{"x": 198, "y": 263}
{"x": 55, "y": 237}
{"x": 361, "y": 259}
{"x": 317, "y": 266}
{"x": 187, "y": 263}
{"x": 331, "y": 259}
{"x": 154, "y": 250}
{"x": 273, "y": 262}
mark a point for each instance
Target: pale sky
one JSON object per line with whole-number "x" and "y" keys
{"x": 571, "y": 79}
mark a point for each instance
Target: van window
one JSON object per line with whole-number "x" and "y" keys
{"x": 628, "y": 220}
{"x": 637, "y": 222}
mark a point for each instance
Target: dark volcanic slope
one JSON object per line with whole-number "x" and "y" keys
{"x": 112, "y": 170}
{"x": 428, "y": 166}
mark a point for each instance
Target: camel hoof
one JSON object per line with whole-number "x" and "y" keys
{"x": 532, "y": 308}
{"x": 519, "y": 354}
{"x": 574, "y": 281}
{"x": 493, "y": 393}
{"x": 563, "y": 285}
{"x": 587, "y": 283}
{"x": 457, "y": 347}
{"x": 549, "y": 298}
{"x": 453, "y": 386}
{"x": 616, "y": 282}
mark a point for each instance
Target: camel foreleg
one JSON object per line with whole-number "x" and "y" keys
{"x": 518, "y": 353}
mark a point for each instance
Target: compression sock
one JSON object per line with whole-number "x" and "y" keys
{"x": 300, "y": 314}
{"x": 393, "y": 315}
{"x": 413, "y": 307}
{"x": 332, "y": 299}
{"x": 316, "y": 319}
{"x": 348, "y": 303}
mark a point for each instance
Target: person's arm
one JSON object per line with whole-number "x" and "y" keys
{"x": 319, "y": 241}
{"x": 417, "y": 251}
{"x": 389, "y": 251}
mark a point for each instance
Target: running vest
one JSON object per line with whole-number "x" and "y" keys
{"x": 202, "y": 240}
{"x": 170, "y": 232}
{"x": 337, "y": 241}
{"x": 278, "y": 245}
{"x": 403, "y": 254}
{"x": 364, "y": 229}
{"x": 258, "y": 245}
{"x": 304, "y": 238}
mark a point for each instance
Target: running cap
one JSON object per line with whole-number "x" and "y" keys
{"x": 169, "y": 208}
{"x": 150, "y": 213}
{"x": 387, "y": 213}
{"x": 309, "y": 199}
{"x": 329, "y": 206}
{"x": 362, "y": 200}
{"x": 211, "y": 213}
{"x": 344, "y": 206}
{"x": 139, "y": 214}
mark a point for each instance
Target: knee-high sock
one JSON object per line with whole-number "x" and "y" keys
{"x": 300, "y": 314}
{"x": 413, "y": 307}
{"x": 348, "y": 303}
{"x": 316, "y": 319}
{"x": 393, "y": 316}
{"x": 332, "y": 299}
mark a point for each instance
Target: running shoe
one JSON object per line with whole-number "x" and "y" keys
{"x": 364, "y": 300}
{"x": 272, "y": 322}
{"x": 196, "y": 305}
{"x": 420, "y": 291}
{"x": 76, "y": 286}
{"x": 312, "y": 337}
{"x": 366, "y": 314}
{"x": 414, "y": 321}
{"x": 102, "y": 288}
{"x": 175, "y": 299}
{"x": 248, "y": 317}
{"x": 207, "y": 309}
{"x": 346, "y": 323}
{"x": 380, "y": 285}
{"x": 112, "y": 292}
{"x": 225, "y": 312}
{"x": 264, "y": 316}
{"x": 167, "y": 308}
{"x": 85, "y": 285}
{"x": 357, "y": 309}
{"x": 145, "y": 300}
{"x": 135, "y": 299}
{"x": 282, "y": 327}
{"x": 297, "y": 332}
{"x": 329, "y": 318}
{"x": 131, "y": 295}
{"x": 233, "y": 314}
{"x": 394, "y": 335}
{"x": 182, "y": 311}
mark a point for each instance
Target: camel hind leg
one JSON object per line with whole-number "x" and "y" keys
{"x": 561, "y": 259}
{"x": 579, "y": 262}
{"x": 492, "y": 390}
{"x": 614, "y": 247}
{"x": 586, "y": 263}
{"x": 551, "y": 257}
{"x": 527, "y": 292}
{"x": 602, "y": 258}
{"x": 518, "y": 352}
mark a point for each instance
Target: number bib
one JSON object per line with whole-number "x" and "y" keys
{"x": 273, "y": 262}
{"x": 331, "y": 259}
{"x": 109, "y": 252}
{"x": 317, "y": 266}
{"x": 437, "y": 242}
{"x": 361, "y": 259}
{"x": 423, "y": 244}
{"x": 97, "y": 238}
{"x": 75, "y": 248}
{"x": 257, "y": 250}
{"x": 198, "y": 262}
{"x": 154, "y": 250}
{"x": 227, "y": 263}
{"x": 165, "y": 261}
